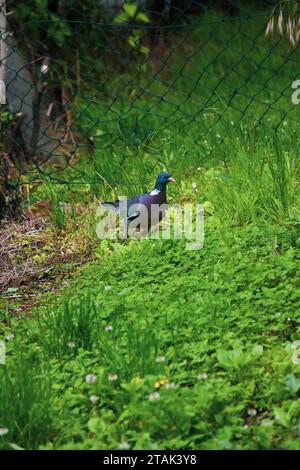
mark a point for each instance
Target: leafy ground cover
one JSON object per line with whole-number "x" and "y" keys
{"x": 155, "y": 346}
{"x": 151, "y": 345}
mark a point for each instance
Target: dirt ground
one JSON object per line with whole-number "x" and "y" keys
{"x": 34, "y": 259}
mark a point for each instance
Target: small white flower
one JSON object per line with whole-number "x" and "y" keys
{"x": 107, "y": 288}
{"x": 154, "y": 396}
{"x": 3, "y": 431}
{"x": 44, "y": 69}
{"x": 194, "y": 185}
{"x": 218, "y": 136}
{"x": 252, "y": 412}
{"x": 199, "y": 168}
{"x": 160, "y": 359}
{"x": 10, "y": 337}
{"x": 90, "y": 378}
{"x": 94, "y": 398}
{"x": 71, "y": 344}
{"x": 112, "y": 377}
{"x": 266, "y": 422}
{"x": 202, "y": 376}
{"x": 97, "y": 304}
{"x": 124, "y": 445}
{"x": 170, "y": 385}
{"x": 108, "y": 328}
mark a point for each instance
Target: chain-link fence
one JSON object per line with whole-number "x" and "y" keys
{"x": 84, "y": 78}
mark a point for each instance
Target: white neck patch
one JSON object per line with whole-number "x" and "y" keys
{"x": 154, "y": 192}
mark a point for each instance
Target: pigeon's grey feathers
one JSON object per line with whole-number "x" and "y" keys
{"x": 156, "y": 200}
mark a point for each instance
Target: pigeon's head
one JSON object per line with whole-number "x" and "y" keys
{"x": 162, "y": 180}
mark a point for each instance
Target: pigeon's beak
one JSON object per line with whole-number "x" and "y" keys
{"x": 171, "y": 180}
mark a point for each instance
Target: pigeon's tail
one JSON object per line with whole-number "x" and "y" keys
{"x": 112, "y": 205}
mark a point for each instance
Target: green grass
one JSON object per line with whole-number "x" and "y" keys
{"x": 229, "y": 310}
{"x": 220, "y": 85}
{"x": 190, "y": 349}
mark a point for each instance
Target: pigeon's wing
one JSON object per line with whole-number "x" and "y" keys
{"x": 133, "y": 216}
{"x": 133, "y": 213}
{"x": 132, "y": 207}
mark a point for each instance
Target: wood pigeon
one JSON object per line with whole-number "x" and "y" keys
{"x": 147, "y": 207}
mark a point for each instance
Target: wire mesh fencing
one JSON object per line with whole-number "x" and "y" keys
{"x": 104, "y": 81}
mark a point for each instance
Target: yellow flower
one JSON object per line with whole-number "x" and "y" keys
{"x": 137, "y": 380}
{"x": 160, "y": 382}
